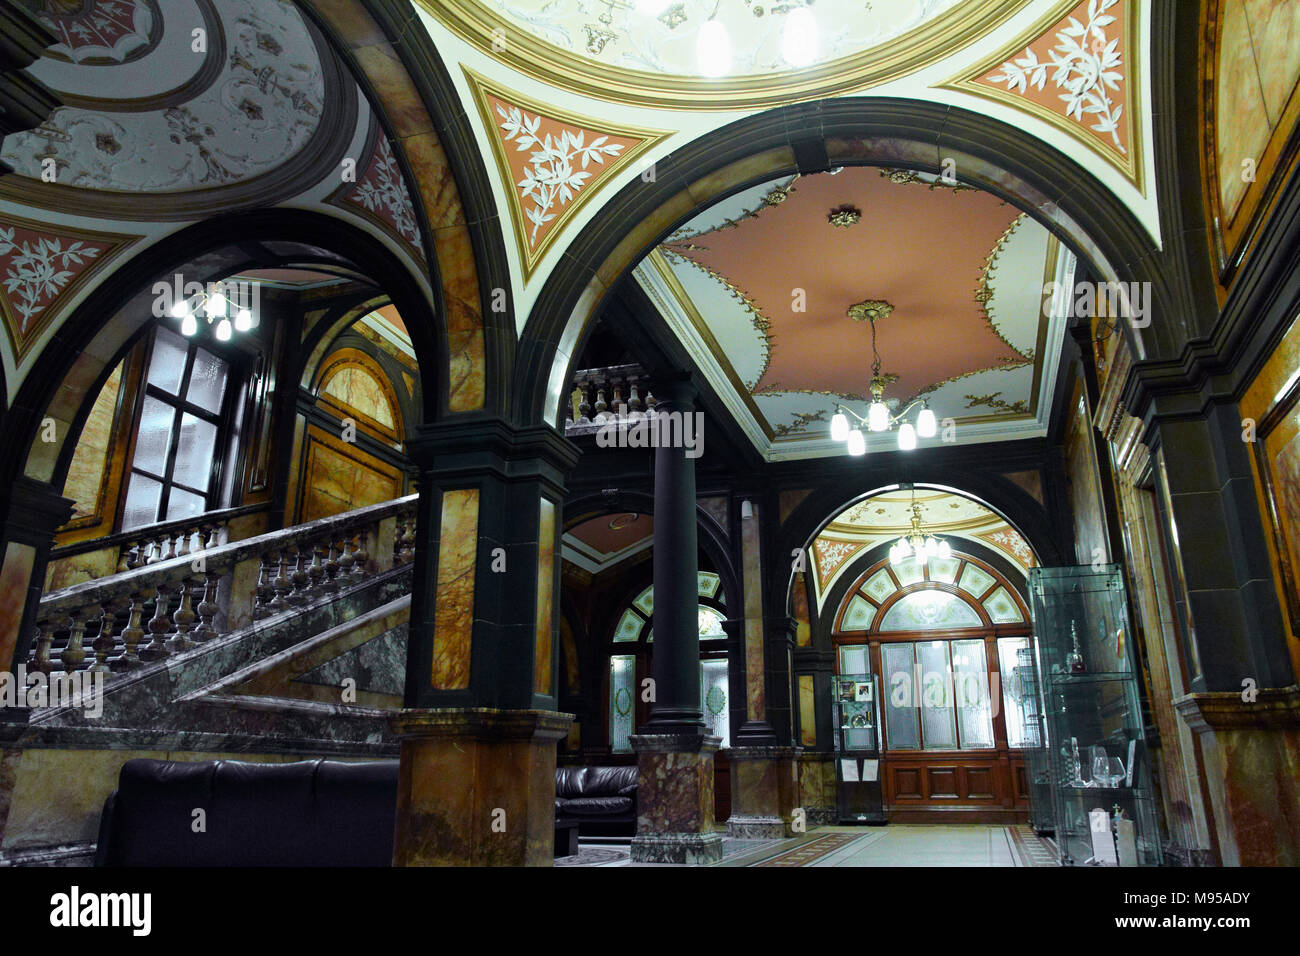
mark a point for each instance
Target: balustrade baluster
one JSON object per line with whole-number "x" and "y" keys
{"x": 132, "y": 635}
{"x": 159, "y": 627}
{"x": 316, "y": 571}
{"x": 103, "y": 644}
{"x": 280, "y": 584}
{"x": 183, "y": 620}
{"x": 346, "y": 561}
{"x": 43, "y": 642}
{"x": 74, "y": 652}
{"x": 207, "y": 609}
{"x": 298, "y": 596}
{"x": 331, "y": 584}
{"x": 360, "y": 558}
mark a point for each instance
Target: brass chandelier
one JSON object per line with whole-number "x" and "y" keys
{"x": 918, "y": 543}
{"x": 879, "y": 418}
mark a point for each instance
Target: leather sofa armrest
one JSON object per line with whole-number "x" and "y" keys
{"x": 104, "y": 853}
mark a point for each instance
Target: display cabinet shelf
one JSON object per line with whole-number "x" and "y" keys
{"x": 1093, "y": 715}
{"x": 856, "y": 720}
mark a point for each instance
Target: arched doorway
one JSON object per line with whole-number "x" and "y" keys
{"x": 944, "y": 637}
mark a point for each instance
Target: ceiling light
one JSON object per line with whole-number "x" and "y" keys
{"x": 243, "y": 320}
{"x": 879, "y": 418}
{"x": 215, "y": 306}
{"x": 906, "y": 436}
{"x": 918, "y": 542}
{"x": 181, "y": 309}
{"x": 799, "y": 40}
{"x": 926, "y": 426}
{"x": 189, "y": 325}
{"x": 840, "y": 426}
{"x": 713, "y": 49}
{"x": 223, "y": 330}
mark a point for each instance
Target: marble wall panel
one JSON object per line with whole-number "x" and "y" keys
{"x": 543, "y": 679}
{"x": 453, "y": 629}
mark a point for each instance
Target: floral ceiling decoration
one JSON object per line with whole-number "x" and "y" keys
{"x": 1077, "y": 70}
{"x": 551, "y": 162}
{"x": 380, "y": 194}
{"x": 884, "y": 517}
{"x": 42, "y": 267}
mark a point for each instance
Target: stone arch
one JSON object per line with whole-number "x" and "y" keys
{"x": 711, "y": 536}
{"x": 396, "y": 64}
{"x": 812, "y": 137}
{"x": 998, "y": 494}
{"x": 69, "y": 372}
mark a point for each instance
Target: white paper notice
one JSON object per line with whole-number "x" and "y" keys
{"x": 870, "y": 771}
{"x": 1103, "y": 844}
{"x": 849, "y": 770}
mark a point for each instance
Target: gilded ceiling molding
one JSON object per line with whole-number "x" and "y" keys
{"x": 41, "y": 268}
{"x": 1078, "y": 70}
{"x": 504, "y": 40}
{"x": 984, "y": 291}
{"x": 762, "y": 325}
{"x": 551, "y": 162}
{"x": 773, "y": 197}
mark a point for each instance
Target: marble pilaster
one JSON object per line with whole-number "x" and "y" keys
{"x": 764, "y": 792}
{"x": 476, "y": 786}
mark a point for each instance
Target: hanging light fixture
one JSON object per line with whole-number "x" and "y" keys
{"x": 918, "y": 542}
{"x": 878, "y": 417}
{"x": 214, "y": 305}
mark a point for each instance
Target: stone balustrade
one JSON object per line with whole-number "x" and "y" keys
{"x": 599, "y": 394}
{"x": 201, "y": 588}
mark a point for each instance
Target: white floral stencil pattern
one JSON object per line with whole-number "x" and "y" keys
{"x": 558, "y": 167}
{"x": 35, "y": 268}
{"x": 1086, "y": 64}
{"x": 382, "y": 191}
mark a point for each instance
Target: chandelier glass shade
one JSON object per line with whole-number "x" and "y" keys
{"x": 918, "y": 544}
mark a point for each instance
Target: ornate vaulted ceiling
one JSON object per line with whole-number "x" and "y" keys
{"x": 761, "y": 287}
{"x": 176, "y": 110}
{"x": 1066, "y": 71}
{"x": 602, "y": 542}
{"x": 887, "y": 516}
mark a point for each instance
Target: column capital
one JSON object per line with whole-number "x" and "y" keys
{"x": 676, "y": 391}
{"x": 471, "y": 447}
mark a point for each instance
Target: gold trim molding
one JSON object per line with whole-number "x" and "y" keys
{"x": 503, "y": 40}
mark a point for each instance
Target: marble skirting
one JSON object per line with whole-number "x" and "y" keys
{"x": 756, "y": 828}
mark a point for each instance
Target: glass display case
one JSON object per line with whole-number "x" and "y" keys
{"x": 855, "y": 715}
{"x": 1100, "y": 771}
{"x": 1037, "y": 769}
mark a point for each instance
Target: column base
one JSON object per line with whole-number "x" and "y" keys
{"x": 1251, "y": 751}
{"x": 764, "y": 792}
{"x": 696, "y": 849}
{"x": 675, "y": 799}
{"x": 476, "y": 786}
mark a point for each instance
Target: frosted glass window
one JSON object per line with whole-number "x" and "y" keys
{"x": 622, "y": 702}
{"x": 858, "y": 615}
{"x": 629, "y": 626}
{"x": 879, "y": 586}
{"x": 142, "y": 498}
{"x": 944, "y": 570}
{"x": 902, "y": 725}
{"x": 708, "y": 583}
{"x": 929, "y": 610}
{"x": 1014, "y": 704}
{"x": 645, "y": 602}
{"x": 938, "y": 725}
{"x": 167, "y": 366}
{"x": 184, "y": 504}
{"x": 154, "y": 437}
{"x": 1002, "y": 608}
{"x": 971, "y": 694}
{"x": 710, "y": 624}
{"x": 908, "y": 571}
{"x": 194, "y": 452}
{"x": 713, "y": 699}
{"x": 975, "y": 581}
{"x": 207, "y": 381}
{"x": 853, "y": 659}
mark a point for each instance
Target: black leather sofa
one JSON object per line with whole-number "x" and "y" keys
{"x": 307, "y": 813}
{"x": 602, "y": 800}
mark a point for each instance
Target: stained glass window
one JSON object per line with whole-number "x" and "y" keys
{"x": 622, "y": 701}
{"x": 713, "y": 699}
{"x": 929, "y": 610}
